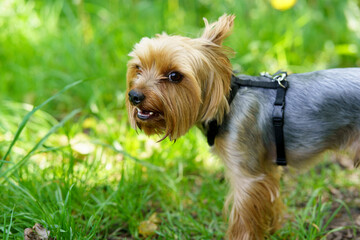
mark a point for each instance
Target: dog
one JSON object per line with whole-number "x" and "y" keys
{"x": 176, "y": 82}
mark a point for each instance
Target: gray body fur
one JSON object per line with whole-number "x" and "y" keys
{"x": 322, "y": 111}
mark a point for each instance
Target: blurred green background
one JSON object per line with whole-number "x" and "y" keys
{"x": 48, "y": 44}
{"x": 77, "y": 167}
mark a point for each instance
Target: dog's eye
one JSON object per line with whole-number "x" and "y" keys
{"x": 138, "y": 69}
{"x": 175, "y": 77}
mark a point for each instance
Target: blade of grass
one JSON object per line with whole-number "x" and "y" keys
{"x": 343, "y": 204}
{"x": 38, "y": 144}
{"x": 337, "y": 230}
{"x": 28, "y": 116}
{"x": 9, "y": 227}
{"x": 331, "y": 218}
{"x": 22, "y": 189}
{"x": 4, "y": 161}
{"x": 3, "y": 228}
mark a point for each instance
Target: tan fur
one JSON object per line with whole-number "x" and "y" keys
{"x": 200, "y": 97}
{"x": 218, "y": 31}
{"x": 206, "y": 68}
{"x": 256, "y": 207}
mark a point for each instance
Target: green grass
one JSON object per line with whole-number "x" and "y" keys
{"x": 69, "y": 159}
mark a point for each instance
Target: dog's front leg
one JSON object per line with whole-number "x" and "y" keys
{"x": 254, "y": 206}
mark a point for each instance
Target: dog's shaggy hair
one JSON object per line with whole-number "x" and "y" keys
{"x": 176, "y": 82}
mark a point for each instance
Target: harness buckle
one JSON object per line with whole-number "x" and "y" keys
{"x": 278, "y": 115}
{"x": 279, "y": 77}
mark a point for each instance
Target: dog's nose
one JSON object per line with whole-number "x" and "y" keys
{"x": 136, "y": 97}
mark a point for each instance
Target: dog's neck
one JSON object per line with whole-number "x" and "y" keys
{"x": 211, "y": 128}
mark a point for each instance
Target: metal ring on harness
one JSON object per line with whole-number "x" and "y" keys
{"x": 280, "y": 77}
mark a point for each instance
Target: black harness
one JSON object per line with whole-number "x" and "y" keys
{"x": 278, "y": 82}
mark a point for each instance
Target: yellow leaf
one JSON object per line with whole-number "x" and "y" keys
{"x": 89, "y": 122}
{"x": 282, "y": 4}
{"x": 154, "y": 218}
{"x": 147, "y": 228}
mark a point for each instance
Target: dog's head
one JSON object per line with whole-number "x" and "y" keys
{"x": 174, "y": 82}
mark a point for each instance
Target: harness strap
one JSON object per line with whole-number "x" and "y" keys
{"x": 260, "y": 84}
{"x": 278, "y": 123}
{"x": 281, "y": 85}
{"x": 212, "y": 131}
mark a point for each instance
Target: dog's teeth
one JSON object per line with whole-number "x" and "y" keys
{"x": 144, "y": 115}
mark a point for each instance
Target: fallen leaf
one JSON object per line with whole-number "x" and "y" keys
{"x": 147, "y": 228}
{"x": 29, "y": 234}
{"x": 42, "y": 232}
{"x": 154, "y": 218}
{"x": 37, "y": 232}
{"x": 357, "y": 221}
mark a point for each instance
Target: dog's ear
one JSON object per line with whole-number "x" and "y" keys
{"x": 216, "y": 32}
{"x": 163, "y": 34}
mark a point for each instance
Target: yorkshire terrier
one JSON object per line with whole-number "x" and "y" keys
{"x": 177, "y": 82}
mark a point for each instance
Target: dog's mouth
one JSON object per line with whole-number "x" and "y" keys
{"x": 144, "y": 115}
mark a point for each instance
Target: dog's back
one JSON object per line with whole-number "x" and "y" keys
{"x": 322, "y": 111}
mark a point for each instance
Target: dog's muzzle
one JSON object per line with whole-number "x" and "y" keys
{"x": 136, "y": 97}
